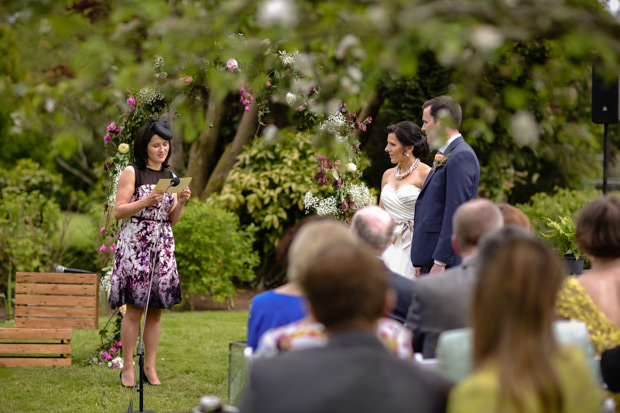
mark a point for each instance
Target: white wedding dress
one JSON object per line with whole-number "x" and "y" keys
{"x": 400, "y": 204}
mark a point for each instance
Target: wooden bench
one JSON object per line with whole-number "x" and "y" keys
{"x": 47, "y": 307}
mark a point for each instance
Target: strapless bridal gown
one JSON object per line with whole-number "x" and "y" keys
{"x": 400, "y": 204}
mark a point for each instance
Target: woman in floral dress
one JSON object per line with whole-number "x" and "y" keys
{"x": 145, "y": 246}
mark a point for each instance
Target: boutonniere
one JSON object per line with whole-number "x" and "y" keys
{"x": 440, "y": 160}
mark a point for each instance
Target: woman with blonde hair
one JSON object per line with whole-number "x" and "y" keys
{"x": 518, "y": 366}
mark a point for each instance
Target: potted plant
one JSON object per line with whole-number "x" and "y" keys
{"x": 561, "y": 234}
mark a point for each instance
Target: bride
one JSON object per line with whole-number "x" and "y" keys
{"x": 400, "y": 188}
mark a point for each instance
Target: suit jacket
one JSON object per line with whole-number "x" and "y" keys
{"x": 353, "y": 373}
{"x": 440, "y": 302}
{"x": 404, "y": 288}
{"x": 445, "y": 189}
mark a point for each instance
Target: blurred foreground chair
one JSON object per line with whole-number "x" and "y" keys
{"x": 47, "y": 307}
{"x": 454, "y": 349}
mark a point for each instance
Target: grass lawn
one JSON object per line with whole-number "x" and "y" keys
{"x": 192, "y": 362}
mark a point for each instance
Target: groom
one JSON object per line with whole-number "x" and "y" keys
{"x": 452, "y": 181}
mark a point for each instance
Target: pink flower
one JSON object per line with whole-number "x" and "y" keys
{"x": 186, "y": 79}
{"x": 232, "y": 65}
{"x": 246, "y": 102}
{"x": 102, "y": 248}
{"x": 118, "y": 344}
{"x": 112, "y": 127}
{"x": 104, "y": 355}
{"x": 102, "y": 230}
{"x": 115, "y": 367}
{"x": 247, "y": 108}
{"x": 242, "y": 90}
{"x": 113, "y": 247}
{"x": 112, "y": 351}
{"x": 107, "y": 138}
{"x": 268, "y": 83}
{"x": 131, "y": 101}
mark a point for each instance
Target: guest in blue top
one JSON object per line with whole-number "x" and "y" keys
{"x": 283, "y": 305}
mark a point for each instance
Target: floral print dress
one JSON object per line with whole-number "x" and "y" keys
{"x": 140, "y": 247}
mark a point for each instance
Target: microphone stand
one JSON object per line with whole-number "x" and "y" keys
{"x": 140, "y": 347}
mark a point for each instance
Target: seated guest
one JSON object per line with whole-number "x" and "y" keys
{"x": 518, "y": 365}
{"x": 514, "y": 216}
{"x": 353, "y": 372}
{"x": 282, "y": 305}
{"x": 594, "y": 297}
{"x": 441, "y": 301}
{"x": 374, "y": 226}
{"x": 610, "y": 369}
{"x": 307, "y": 332}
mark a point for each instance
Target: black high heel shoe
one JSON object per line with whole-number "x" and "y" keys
{"x": 146, "y": 379}
{"x": 121, "y": 376}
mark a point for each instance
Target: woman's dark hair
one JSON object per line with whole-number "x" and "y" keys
{"x": 409, "y": 134}
{"x": 597, "y": 228}
{"x": 152, "y": 127}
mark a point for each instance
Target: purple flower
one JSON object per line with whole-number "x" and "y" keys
{"x": 102, "y": 248}
{"x": 107, "y": 138}
{"x": 115, "y": 367}
{"x": 118, "y": 344}
{"x": 112, "y": 127}
{"x": 112, "y": 351}
{"x": 104, "y": 355}
{"x": 131, "y": 101}
{"x": 101, "y": 231}
{"x": 232, "y": 65}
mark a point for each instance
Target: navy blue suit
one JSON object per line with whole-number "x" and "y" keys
{"x": 404, "y": 288}
{"x": 445, "y": 189}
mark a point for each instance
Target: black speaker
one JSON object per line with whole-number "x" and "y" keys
{"x": 605, "y": 99}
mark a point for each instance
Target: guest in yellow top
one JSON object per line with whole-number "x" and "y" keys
{"x": 518, "y": 366}
{"x": 594, "y": 297}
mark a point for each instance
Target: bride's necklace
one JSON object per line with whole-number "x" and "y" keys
{"x": 414, "y": 165}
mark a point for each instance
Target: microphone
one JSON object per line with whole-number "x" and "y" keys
{"x": 60, "y": 268}
{"x": 175, "y": 181}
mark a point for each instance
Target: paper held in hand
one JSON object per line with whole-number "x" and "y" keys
{"x": 162, "y": 184}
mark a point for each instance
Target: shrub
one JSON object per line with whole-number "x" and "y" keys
{"x": 564, "y": 202}
{"x": 561, "y": 234}
{"x": 212, "y": 250}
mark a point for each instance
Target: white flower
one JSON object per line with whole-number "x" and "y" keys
{"x": 310, "y": 201}
{"x": 524, "y": 128}
{"x": 486, "y": 38}
{"x": 290, "y": 98}
{"x": 159, "y": 62}
{"x": 232, "y": 65}
{"x": 123, "y": 148}
{"x": 277, "y": 13}
{"x": 346, "y": 42}
{"x": 150, "y": 95}
{"x": 360, "y": 195}
{"x": 328, "y": 207}
{"x": 270, "y": 132}
{"x": 355, "y": 73}
{"x": 50, "y": 105}
{"x": 288, "y": 59}
{"x": 350, "y": 167}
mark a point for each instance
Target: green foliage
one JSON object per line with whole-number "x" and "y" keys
{"x": 563, "y": 202}
{"x": 562, "y": 236}
{"x": 267, "y": 184}
{"x": 28, "y": 221}
{"x": 28, "y": 176}
{"x": 212, "y": 250}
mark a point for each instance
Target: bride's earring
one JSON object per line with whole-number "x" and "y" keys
{"x": 406, "y": 154}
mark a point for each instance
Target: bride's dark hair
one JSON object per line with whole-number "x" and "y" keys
{"x": 409, "y": 134}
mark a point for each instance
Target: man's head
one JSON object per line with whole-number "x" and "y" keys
{"x": 471, "y": 221}
{"x": 441, "y": 117}
{"x": 374, "y": 226}
{"x": 311, "y": 238}
{"x": 346, "y": 286}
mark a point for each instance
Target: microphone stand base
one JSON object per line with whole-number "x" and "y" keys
{"x": 140, "y": 411}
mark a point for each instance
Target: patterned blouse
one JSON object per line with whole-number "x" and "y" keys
{"x": 303, "y": 334}
{"x": 575, "y": 304}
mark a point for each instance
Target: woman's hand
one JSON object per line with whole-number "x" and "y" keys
{"x": 184, "y": 195}
{"x": 154, "y": 197}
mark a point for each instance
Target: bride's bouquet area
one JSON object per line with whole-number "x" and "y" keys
{"x": 337, "y": 188}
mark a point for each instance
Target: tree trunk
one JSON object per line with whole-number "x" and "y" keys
{"x": 176, "y": 145}
{"x": 201, "y": 153}
{"x": 372, "y": 107}
{"x": 245, "y": 132}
